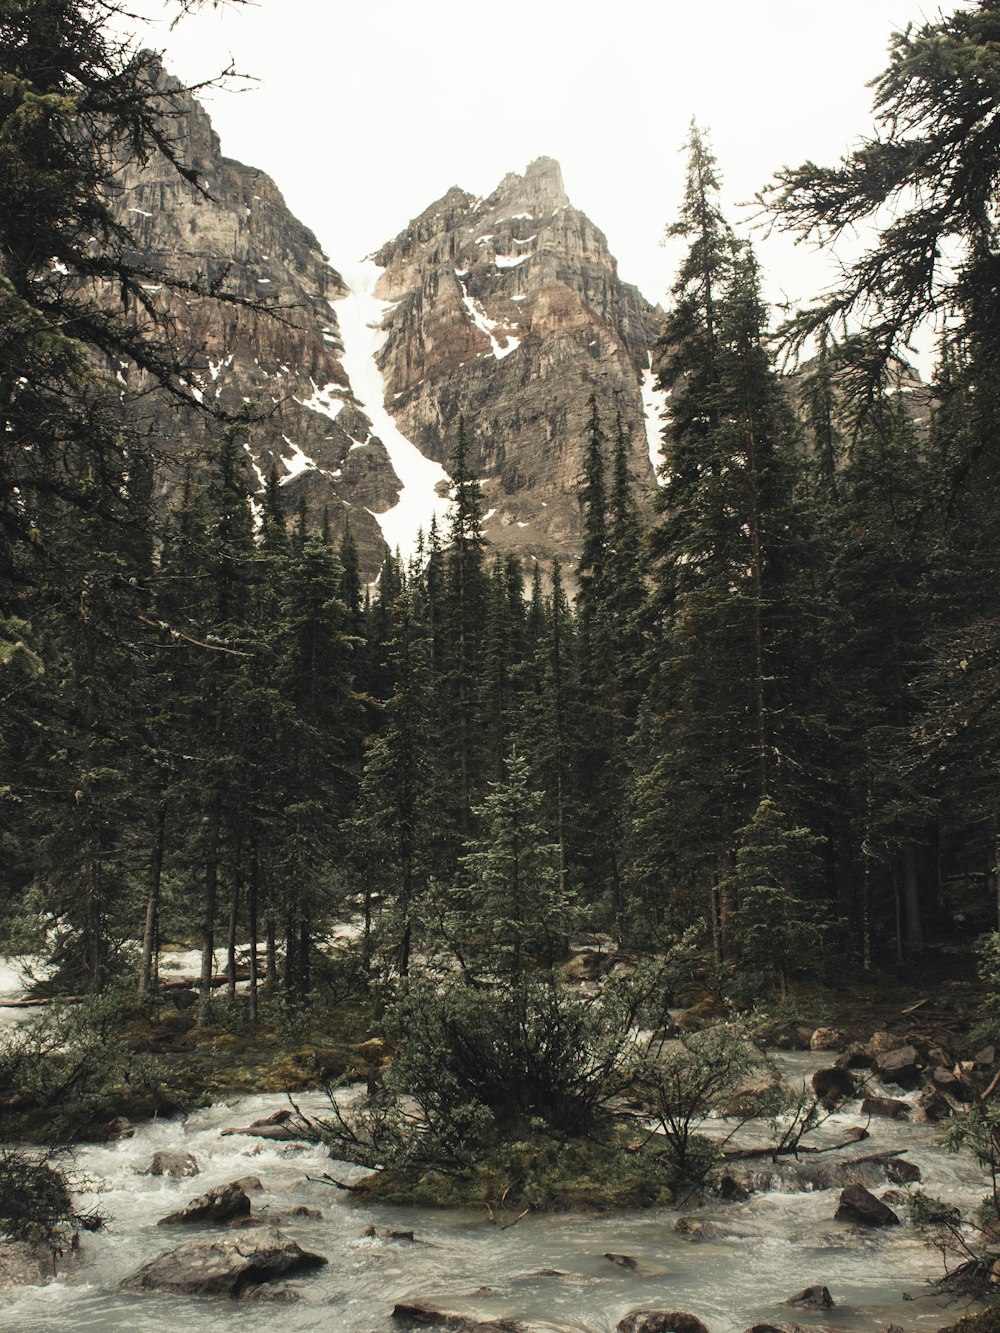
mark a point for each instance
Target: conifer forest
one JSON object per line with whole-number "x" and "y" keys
{"x": 512, "y": 874}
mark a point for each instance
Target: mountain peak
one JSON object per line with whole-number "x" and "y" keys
{"x": 541, "y": 186}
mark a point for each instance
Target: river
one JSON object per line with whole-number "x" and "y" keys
{"x": 774, "y": 1245}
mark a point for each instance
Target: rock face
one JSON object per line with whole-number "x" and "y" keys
{"x": 224, "y": 1267}
{"x": 510, "y": 313}
{"x": 236, "y": 230}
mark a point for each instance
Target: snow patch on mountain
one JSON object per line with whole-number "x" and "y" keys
{"x": 486, "y": 325}
{"x": 360, "y": 315}
{"x": 657, "y": 414}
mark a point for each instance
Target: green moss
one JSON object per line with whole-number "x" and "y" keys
{"x": 540, "y": 1172}
{"x": 987, "y": 1321}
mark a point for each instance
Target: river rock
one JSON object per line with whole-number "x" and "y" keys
{"x": 300, "y": 1214}
{"x": 218, "y": 1205}
{"x": 778, "y": 1328}
{"x": 833, "y": 1085}
{"x": 623, "y": 1261}
{"x": 661, "y": 1321}
{"x": 22, "y": 1265}
{"x": 986, "y": 1058}
{"x": 826, "y": 1039}
{"x": 901, "y": 1065}
{"x": 884, "y": 1041}
{"x": 859, "y": 1205}
{"x": 931, "y": 1107}
{"x": 815, "y": 1297}
{"x": 176, "y": 1165}
{"x": 281, "y": 1127}
{"x": 887, "y": 1108}
{"x": 274, "y": 1293}
{"x": 250, "y": 1184}
{"x": 224, "y": 1266}
{"x": 389, "y": 1233}
{"x": 732, "y": 1190}
{"x": 696, "y": 1228}
{"x": 423, "y": 1316}
{"x": 854, "y": 1057}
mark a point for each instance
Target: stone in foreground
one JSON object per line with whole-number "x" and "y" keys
{"x": 223, "y": 1267}
{"x": 661, "y": 1321}
{"x": 816, "y": 1297}
{"x": 859, "y": 1205}
{"x": 423, "y": 1316}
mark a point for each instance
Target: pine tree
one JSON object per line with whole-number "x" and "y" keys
{"x": 726, "y": 550}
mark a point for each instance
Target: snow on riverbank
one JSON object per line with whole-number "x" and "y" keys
{"x": 360, "y": 316}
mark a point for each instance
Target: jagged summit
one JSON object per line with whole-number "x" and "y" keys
{"x": 541, "y": 185}
{"x": 508, "y": 310}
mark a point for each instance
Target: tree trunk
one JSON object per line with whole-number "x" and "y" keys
{"x": 208, "y": 918}
{"x": 272, "y": 954}
{"x": 911, "y": 897}
{"x": 234, "y": 916}
{"x": 252, "y": 912}
{"x": 151, "y": 931}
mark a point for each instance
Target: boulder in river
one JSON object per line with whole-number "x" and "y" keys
{"x": 661, "y": 1321}
{"x": 623, "y": 1261}
{"x": 832, "y": 1085}
{"x": 24, "y": 1265}
{"x": 887, "y": 1108}
{"x": 815, "y": 1298}
{"x": 854, "y": 1057}
{"x": 218, "y": 1205}
{"x": 423, "y": 1316}
{"x": 224, "y": 1266}
{"x": 826, "y": 1039}
{"x": 884, "y": 1041}
{"x": 901, "y": 1065}
{"x": 859, "y": 1205}
{"x": 697, "y": 1228}
{"x": 281, "y": 1127}
{"x": 176, "y": 1165}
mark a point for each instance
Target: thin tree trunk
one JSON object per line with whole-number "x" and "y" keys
{"x": 252, "y": 912}
{"x": 234, "y": 916}
{"x": 272, "y": 954}
{"x": 208, "y": 918}
{"x": 151, "y": 931}
{"x": 911, "y": 894}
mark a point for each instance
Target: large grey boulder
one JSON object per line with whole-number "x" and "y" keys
{"x": 424, "y": 1316}
{"x": 218, "y": 1205}
{"x": 227, "y": 1266}
{"x": 859, "y": 1205}
{"x": 24, "y": 1265}
{"x": 661, "y": 1321}
{"x": 176, "y": 1165}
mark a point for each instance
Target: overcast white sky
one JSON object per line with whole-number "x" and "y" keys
{"x": 366, "y": 111}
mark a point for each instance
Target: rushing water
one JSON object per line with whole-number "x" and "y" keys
{"x": 774, "y": 1245}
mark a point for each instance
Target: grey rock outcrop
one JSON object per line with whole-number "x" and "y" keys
{"x": 224, "y": 1267}
{"x": 235, "y": 229}
{"x": 510, "y": 313}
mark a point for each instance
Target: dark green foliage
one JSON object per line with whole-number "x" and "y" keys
{"x": 36, "y": 1202}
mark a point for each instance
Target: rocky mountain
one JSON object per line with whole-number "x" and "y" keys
{"x": 237, "y": 230}
{"x": 507, "y": 311}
